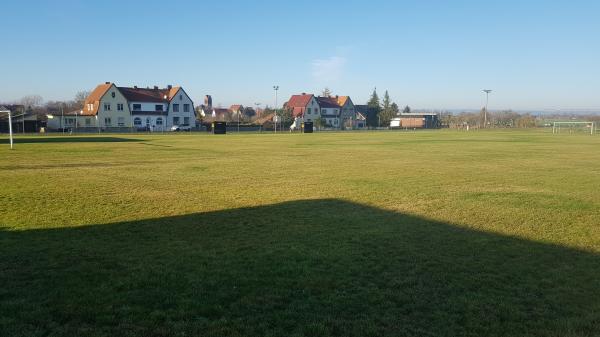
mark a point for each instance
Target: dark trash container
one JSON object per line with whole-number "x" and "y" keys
{"x": 219, "y": 128}
{"x": 308, "y": 127}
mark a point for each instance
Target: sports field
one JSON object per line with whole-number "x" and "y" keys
{"x": 433, "y": 233}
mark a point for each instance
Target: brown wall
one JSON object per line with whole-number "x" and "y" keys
{"x": 412, "y": 122}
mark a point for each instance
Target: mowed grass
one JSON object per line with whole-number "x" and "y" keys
{"x": 441, "y": 233}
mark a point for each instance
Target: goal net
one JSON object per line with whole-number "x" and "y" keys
{"x": 574, "y": 127}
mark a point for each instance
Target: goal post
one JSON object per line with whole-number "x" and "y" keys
{"x": 556, "y": 126}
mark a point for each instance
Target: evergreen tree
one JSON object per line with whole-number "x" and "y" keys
{"x": 395, "y": 109}
{"x": 374, "y": 107}
{"x": 374, "y": 101}
{"x": 386, "y": 113}
{"x": 386, "y": 101}
{"x": 406, "y": 110}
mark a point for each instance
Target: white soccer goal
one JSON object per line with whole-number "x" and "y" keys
{"x": 573, "y": 127}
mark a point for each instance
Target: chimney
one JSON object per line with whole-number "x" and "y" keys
{"x": 303, "y": 94}
{"x": 135, "y": 87}
{"x": 169, "y": 87}
{"x": 156, "y": 87}
{"x": 106, "y": 82}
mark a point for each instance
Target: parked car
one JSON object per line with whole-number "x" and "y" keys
{"x": 182, "y": 127}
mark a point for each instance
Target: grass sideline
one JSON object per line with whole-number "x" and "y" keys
{"x": 440, "y": 233}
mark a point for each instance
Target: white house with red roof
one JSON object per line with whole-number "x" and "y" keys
{"x": 105, "y": 108}
{"x": 159, "y": 109}
{"x": 336, "y": 111}
{"x": 304, "y": 106}
{"x": 112, "y": 108}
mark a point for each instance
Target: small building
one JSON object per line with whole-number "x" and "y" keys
{"x": 236, "y": 110}
{"x": 416, "y": 120}
{"x": 159, "y": 109}
{"x": 347, "y": 112}
{"x": 304, "y": 106}
{"x": 360, "y": 121}
{"x": 330, "y": 111}
{"x": 23, "y": 120}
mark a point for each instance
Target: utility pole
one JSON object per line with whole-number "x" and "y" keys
{"x": 487, "y": 100}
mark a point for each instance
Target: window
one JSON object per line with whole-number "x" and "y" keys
{"x": 186, "y": 108}
{"x": 323, "y": 111}
{"x": 175, "y": 107}
{"x": 175, "y": 120}
{"x": 90, "y": 106}
{"x": 137, "y": 107}
{"x": 107, "y": 121}
{"x": 180, "y": 97}
{"x": 309, "y": 110}
{"x": 113, "y": 94}
{"x": 186, "y": 120}
{"x": 69, "y": 121}
{"x": 335, "y": 122}
{"x": 106, "y": 106}
{"x": 158, "y": 107}
{"x": 88, "y": 122}
{"x": 137, "y": 121}
{"x": 121, "y": 121}
{"x": 119, "y": 106}
{"x": 159, "y": 121}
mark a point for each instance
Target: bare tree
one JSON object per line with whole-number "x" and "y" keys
{"x": 32, "y": 101}
{"x": 326, "y": 92}
{"x": 80, "y": 98}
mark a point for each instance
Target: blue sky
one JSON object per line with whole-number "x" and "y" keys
{"x": 428, "y": 54}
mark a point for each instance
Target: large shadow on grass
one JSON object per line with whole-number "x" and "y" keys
{"x": 68, "y": 139}
{"x": 304, "y": 268}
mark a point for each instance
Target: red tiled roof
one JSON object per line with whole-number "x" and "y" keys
{"x": 220, "y": 110}
{"x": 235, "y": 107}
{"x": 299, "y": 101}
{"x": 172, "y": 92}
{"x": 146, "y": 95}
{"x": 297, "y": 111}
{"x": 94, "y": 99}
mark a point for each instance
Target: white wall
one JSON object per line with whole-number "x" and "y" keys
{"x": 315, "y": 111}
{"x": 151, "y": 122}
{"x": 182, "y": 98}
{"x": 148, "y": 106}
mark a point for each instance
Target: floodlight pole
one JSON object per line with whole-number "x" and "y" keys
{"x": 257, "y": 107}
{"x": 487, "y": 100}
{"x": 62, "y": 118}
{"x": 276, "y": 88}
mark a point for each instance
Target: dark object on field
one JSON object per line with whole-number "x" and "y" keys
{"x": 219, "y": 128}
{"x": 307, "y": 127}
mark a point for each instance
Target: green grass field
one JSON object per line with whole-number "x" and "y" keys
{"x": 441, "y": 233}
